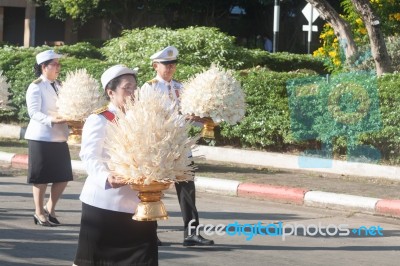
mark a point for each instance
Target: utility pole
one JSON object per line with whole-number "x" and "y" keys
{"x": 277, "y": 11}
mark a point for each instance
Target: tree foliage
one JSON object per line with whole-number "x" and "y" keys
{"x": 389, "y": 17}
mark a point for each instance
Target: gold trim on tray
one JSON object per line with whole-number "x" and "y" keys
{"x": 151, "y": 208}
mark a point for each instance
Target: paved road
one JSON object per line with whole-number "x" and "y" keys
{"x": 23, "y": 243}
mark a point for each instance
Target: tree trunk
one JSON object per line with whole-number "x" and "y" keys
{"x": 378, "y": 46}
{"x": 339, "y": 25}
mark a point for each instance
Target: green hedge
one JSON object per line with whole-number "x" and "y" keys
{"x": 266, "y": 123}
{"x": 198, "y": 48}
{"x": 387, "y": 139}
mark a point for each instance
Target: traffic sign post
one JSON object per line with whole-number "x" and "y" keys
{"x": 311, "y": 15}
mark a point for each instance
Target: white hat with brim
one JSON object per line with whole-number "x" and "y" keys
{"x": 167, "y": 55}
{"x": 46, "y": 55}
{"x": 114, "y": 72}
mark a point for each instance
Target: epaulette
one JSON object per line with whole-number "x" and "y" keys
{"x": 152, "y": 81}
{"x": 177, "y": 81}
{"x": 100, "y": 110}
{"x": 37, "y": 81}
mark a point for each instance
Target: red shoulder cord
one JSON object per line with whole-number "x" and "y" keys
{"x": 108, "y": 115}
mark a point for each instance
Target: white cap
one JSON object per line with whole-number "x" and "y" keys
{"x": 46, "y": 55}
{"x": 116, "y": 71}
{"x": 168, "y": 54}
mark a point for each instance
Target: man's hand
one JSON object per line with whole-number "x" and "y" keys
{"x": 115, "y": 182}
{"x": 198, "y": 119}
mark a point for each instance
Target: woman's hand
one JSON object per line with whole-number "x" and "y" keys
{"x": 115, "y": 182}
{"x": 58, "y": 120}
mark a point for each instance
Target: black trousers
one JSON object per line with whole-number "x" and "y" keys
{"x": 186, "y": 192}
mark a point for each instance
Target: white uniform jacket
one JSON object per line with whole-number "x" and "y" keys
{"x": 173, "y": 88}
{"x": 41, "y": 100}
{"x": 96, "y": 190}
{"x": 164, "y": 86}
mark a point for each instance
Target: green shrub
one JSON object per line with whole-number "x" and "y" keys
{"x": 335, "y": 112}
{"x": 198, "y": 48}
{"x": 387, "y": 140}
{"x": 266, "y": 123}
{"x": 284, "y": 62}
{"x": 81, "y": 50}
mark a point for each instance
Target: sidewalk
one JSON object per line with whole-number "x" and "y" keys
{"x": 248, "y": 187}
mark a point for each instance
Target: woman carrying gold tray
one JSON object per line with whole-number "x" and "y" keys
{"x": 108, "y": 235}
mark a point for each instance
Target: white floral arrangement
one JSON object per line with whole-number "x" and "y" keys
{"x": 214, "y": 93}
{"x": 149, "y": 141}
{"x": 4, "y": 86}
{"x": 79, "y": 95}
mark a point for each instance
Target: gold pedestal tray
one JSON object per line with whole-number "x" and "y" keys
{"x": 208, "y": 128}
{"x": 151, "y": 208}
{"x": 76, "y": 135}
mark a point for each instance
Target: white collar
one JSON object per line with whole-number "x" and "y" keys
{"x": 112, "y": 108}
{"x": 46, "y": 79}
{"x": 160, "y": 79}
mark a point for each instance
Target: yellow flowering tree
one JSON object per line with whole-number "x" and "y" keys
{"x": 388, "y": 12}
{"x": 330, "y": 50}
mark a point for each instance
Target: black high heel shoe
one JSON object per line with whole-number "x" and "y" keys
{"x": 52, "y": 219}
{"x": 36, "y": 220}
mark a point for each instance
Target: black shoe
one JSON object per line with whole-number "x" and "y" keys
{"x": 159, "y": 243}
{"x": 197, "y": 240}
{"x": 36, "y": 220}
{"x": 52, "y": 219}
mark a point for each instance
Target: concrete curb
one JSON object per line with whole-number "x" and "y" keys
{"x": 294, "y": 162}
{"x": 278, "y": 193}
{"x": 12, "y": 131}
{"x": 336, "y": 200}
{"x": 291, "y": 195}
{"x": 216, "y": 185}
{"x": 6, "y": 157}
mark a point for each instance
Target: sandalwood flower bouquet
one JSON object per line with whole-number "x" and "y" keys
{"x": 4, "y": 86}
{"x": 149, "y": 141}
{"x": 79, "y": 95}
{"x": 214, "y": 93}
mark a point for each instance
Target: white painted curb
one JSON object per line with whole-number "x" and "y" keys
{"x": 277, "y": 160}
{"x": 336, "y": 200}
{"x": 10, "y": 131}
{"x": 78, "y": 166}
{"x": 216, "y": 185}
{"x": 6, "y": 157}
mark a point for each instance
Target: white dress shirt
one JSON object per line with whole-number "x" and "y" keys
{"x": 96, "y": 190}
{"x": 173, "y": 88}
{"x": 41, "y": 100}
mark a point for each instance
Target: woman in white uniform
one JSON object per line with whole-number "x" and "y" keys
{"x": 108, "y": 235}
{"x": 49, "y": 158}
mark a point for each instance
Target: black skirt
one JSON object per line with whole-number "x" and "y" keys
{"x": 113, "y": 238}
{"x": 48, "y": 162}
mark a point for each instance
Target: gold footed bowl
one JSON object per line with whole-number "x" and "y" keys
{"x": 208, "y": 128}
{"x": 75, "y": 137}
{"x": 151, "y": 208}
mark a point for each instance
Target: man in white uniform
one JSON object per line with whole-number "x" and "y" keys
{"x": 164, "y": 62}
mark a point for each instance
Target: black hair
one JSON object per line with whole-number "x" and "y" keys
{"x": 38, "y": 67}
{"x": 114, "y": 83}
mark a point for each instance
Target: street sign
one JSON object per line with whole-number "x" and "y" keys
{"x": 307, "y": 28}
{"x": 310, "y": 13}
